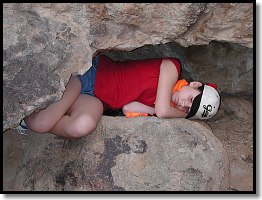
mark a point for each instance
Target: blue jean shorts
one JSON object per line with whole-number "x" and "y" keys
{"x": 88, "y": 78}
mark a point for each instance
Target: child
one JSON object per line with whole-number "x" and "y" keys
{"x": 144, "y": 86}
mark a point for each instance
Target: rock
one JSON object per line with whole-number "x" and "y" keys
{"x": 148, "y": 154}
{"x": 239, "y": 108}
{"x": 244, "y": 157}
{"x": 235, "y": 130}
{"x": 43, "y": 44}
{"x": 241, "y": 173}
{"x": 228, "y": 65}
{"x": 221, "y": 22}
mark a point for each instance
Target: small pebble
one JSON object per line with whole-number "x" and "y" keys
{"x": 244, "y": 157}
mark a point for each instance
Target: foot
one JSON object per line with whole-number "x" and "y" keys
{"x": 22, "y": 128}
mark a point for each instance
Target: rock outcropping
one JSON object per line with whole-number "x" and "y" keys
{"x": 138, "y": 154}
{"x": 44, "y": 43}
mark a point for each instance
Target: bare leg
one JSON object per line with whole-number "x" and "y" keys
{"x": 44, "y": 120}
{"x": 83, "y": 118}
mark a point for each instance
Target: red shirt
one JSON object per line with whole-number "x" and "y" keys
{"x": 119, "y": 83}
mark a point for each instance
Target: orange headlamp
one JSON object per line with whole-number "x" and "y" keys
{"x": 177, "y": 87}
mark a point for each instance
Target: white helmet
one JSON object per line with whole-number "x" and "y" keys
{"x": 206, "y": 104}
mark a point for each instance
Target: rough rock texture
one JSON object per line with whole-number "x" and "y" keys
{"x": 148, "y": 154}
{"x": 228, "y": 65}
{"x": 222, "y": 22}
{"x": 43, "y": 44}
{"x": 234, "y": 127}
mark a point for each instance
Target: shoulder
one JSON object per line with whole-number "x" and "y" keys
{"x": 172, "y": 62}
{"x": 170, "y": 65}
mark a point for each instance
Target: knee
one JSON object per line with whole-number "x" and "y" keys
{"x": 82, "y": 126}
{"x": 38, "y": 125}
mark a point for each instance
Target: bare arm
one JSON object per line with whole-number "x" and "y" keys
{"x": 167, "y": 78}
{"x": 136, "y": 106}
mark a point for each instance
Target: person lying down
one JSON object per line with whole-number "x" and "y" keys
{"x": 136, "y": 87}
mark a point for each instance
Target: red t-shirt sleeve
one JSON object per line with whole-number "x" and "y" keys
{"x": 177, "y": 64}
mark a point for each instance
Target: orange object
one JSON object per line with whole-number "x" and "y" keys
{"x": 177, "y": 87}
{"x": 135, "y": 114}
{"x": 179, "y": 84}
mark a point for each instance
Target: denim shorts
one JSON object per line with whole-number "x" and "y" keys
{"x": 88, "y": 78}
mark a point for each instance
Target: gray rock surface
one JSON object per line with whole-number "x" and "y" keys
{"x": 147, "y": 154}
{"x": 234, "y": 127}
{"x": 232, "y": 22}
{"x": 44, "y": 43}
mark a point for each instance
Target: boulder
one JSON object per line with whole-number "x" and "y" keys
{"x": 122, "y": 154}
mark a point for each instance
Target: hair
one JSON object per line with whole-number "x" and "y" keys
{"x": 201, "y": 88}
{"x": 196, "y": 102}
